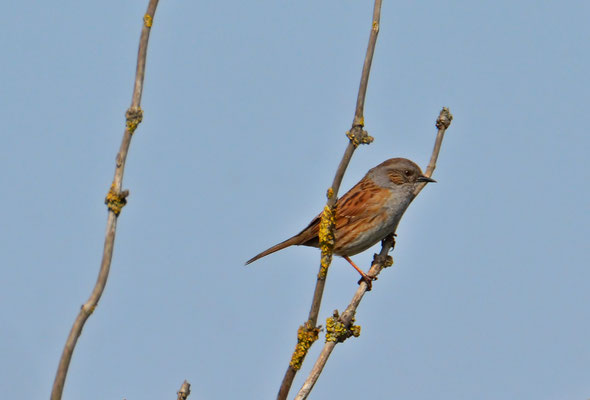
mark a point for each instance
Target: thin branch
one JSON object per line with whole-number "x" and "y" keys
{"x": 442, "y": 123}
{"x": 184, "y": 391}
{"x": 380, "y": 261}
{"x": 116, "y": 199}
{"x": 356, "y": 136}
{"x": 360, "y": 101}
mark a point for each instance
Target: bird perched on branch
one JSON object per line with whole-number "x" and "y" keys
{"x": 367, "y": 213}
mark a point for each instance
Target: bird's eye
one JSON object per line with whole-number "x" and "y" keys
{"x": 407, "y": 172}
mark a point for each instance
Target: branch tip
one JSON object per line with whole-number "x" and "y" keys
{"x": 184, "y": 391}
{"x": 444, "y": 119}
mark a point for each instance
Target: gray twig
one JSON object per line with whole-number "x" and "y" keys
{"x": 380, "y": 261}
{"x": 356, "y": 136}
{"x": 442, "y": 123}
{"x": 115, "y": 200}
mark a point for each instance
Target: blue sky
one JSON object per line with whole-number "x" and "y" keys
{"x": 245, "y": 109}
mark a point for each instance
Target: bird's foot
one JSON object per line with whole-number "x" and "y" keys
{"x": 368, "y": 280}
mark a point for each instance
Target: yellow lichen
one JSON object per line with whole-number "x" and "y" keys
{"x": 336, "y": 331}
{"x": 326, "y": 238}
{"x": 306, "y": 335}
{"x": 133, "y": 117}
{"x": 330, "y": 193}
{"x": 148, "y": 20}
{"x": 363, "y": 139}
{"x": 114, "y": 201}
{"x": 367, "y": 139}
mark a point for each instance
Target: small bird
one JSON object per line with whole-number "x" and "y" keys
{"x": 367, "y": 213}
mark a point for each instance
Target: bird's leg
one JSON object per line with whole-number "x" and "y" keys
{"x": 364, "y": 277}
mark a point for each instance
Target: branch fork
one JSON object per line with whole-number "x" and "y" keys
{"x": 380, "y": 261}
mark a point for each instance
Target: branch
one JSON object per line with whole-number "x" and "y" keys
{"x": 380, "y": 261}
{"x": 115, "y": 200}
{"x": 442, "y": 123}
{"x": 308, "y": 331}
{"x": 184, "y": 391}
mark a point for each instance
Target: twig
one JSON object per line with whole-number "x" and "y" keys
{"x": 442, "y": 123}
{"x": 380, "y": 261}
{"x": 115, "y": 200}
{"x": 308, "y": 331}
{"x": 184, "y": 391}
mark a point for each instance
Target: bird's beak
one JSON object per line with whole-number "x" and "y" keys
{"x": 425, "y": 179}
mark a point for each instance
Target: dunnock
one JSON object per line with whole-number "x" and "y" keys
{"x": 367, "y": 213}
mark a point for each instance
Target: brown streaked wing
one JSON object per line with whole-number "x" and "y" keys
{"x": 363, "y": 202}
{"x": 358, "y": 208}
{"x": 365, "y": 199}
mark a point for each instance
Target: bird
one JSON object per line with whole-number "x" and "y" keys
{"x": 368, "y": 213}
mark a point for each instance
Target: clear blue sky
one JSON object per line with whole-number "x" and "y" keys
{"x": 246, "y": 105}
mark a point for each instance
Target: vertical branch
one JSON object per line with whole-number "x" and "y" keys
{"x": 115, "y": 200}
{"x": 360, "y": 100}
{"x": 380, "y": 261}
{"x": 308, "y": 332}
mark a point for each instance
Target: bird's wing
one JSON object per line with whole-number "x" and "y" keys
{"x": 359, "y": 205}
{"x": 362, "y": 201}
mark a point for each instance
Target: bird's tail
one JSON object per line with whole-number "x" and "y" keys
{"x": 289, "y": 242}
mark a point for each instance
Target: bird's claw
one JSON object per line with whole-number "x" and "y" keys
{"x": 368, "y": 280}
